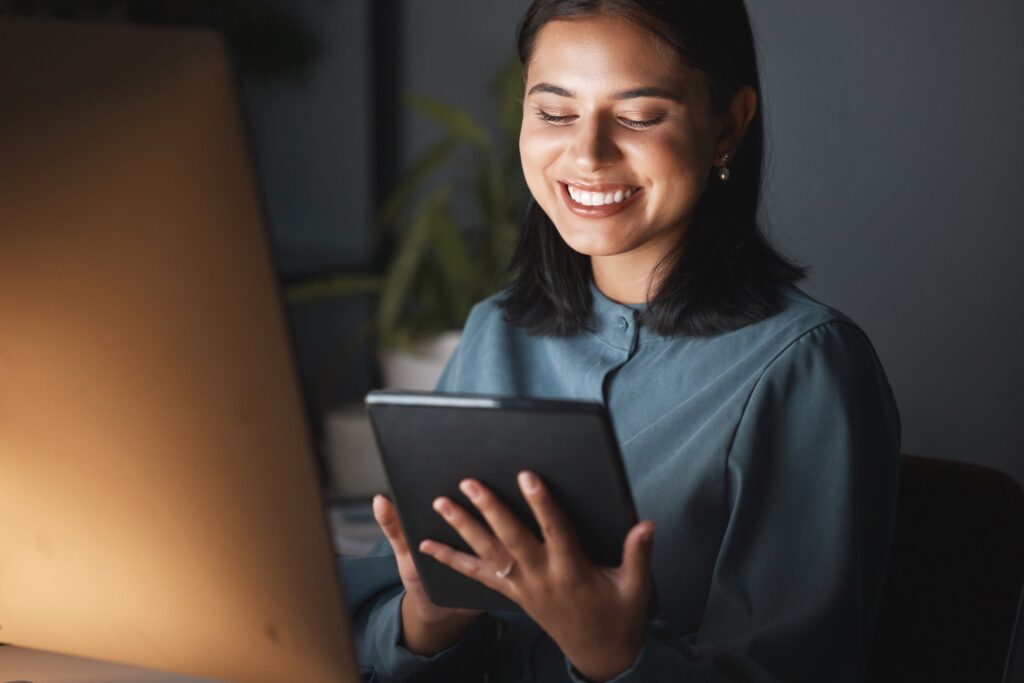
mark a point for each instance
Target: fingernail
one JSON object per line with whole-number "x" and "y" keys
{"x": 442, "y": 506}
{"x": 528, "y": 482}
{"x": 470, "y": 489}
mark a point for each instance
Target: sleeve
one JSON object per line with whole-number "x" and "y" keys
{"x": 812, "y": 479}
{"x": 374, "y": 594}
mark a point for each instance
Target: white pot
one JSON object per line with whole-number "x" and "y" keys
{"x": 420, "y": 367}
{"x": 349, "y": 444}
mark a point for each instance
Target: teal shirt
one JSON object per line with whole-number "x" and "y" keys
{"x": 767, "y": 457}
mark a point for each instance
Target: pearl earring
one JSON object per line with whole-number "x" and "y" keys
{"x": 723, "y": 172}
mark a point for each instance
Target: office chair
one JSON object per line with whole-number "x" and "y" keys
{"x": 956, "y": 569}
{"x": 1015, "y": 661}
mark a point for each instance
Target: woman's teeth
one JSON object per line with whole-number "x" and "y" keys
{"x": 598, "y": 198}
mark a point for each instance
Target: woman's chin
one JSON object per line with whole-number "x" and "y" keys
{"x": 593, "y": 246}
{"x": 588, "y": 241}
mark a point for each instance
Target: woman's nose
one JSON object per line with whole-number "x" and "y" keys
{"x": 594, "y": 147}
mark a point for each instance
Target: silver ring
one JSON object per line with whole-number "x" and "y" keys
{"x": 503, "y": 573}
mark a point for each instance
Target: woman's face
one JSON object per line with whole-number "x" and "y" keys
{"x": 617, "y": 142}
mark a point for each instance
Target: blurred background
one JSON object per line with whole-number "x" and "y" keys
{"x": 893, "y": 172}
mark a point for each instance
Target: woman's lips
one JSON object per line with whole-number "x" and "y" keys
{"x": 602, "y": 211}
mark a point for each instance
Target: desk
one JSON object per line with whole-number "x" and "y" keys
{"x": 35, "y": 666}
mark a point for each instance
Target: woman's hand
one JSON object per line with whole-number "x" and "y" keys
{"x": 594, "y": 614}
{"x": 426, "y": 628}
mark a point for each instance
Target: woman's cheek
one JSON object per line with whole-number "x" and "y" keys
{"x": 533, "y": 171}
{"x": 543, "y": 142}
{"x": 539, "y": 149}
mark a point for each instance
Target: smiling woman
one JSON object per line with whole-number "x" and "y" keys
{"x": 603, "y": 133}
{"x": 757, "y": 427}
{"x": 656, "y": 103}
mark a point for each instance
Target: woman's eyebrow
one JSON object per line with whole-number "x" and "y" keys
{"x": 659, "y": 93}
{"x": 553, "y": 89}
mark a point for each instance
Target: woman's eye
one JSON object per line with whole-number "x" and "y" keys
{"x": 628, "y": 122}
{"x": 640, "y": 125}
{"x": 551, "y": 118}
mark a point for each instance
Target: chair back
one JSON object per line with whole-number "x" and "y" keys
{"x": 954, "y": 578}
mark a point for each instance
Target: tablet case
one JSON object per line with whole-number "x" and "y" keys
{"x": 430, "y": 442}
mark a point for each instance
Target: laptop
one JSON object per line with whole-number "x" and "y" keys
{"x": 159, "y": 499}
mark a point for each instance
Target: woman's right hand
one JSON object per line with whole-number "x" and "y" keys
{"x": 426, "y": 628}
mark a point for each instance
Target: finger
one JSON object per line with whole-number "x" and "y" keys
{"x": 387, "y": 520}
{"x": 476, "y": 536}
{"x": 464, "y": 563}
{"x": 635, "y": 570}
{"x": 517, "y": 539}
{"x": 558, "y": 531}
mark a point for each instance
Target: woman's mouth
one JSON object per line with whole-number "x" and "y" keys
{"x": 598, "y": 201}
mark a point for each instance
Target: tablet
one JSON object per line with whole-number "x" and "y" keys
{"x": 430, "y": 442}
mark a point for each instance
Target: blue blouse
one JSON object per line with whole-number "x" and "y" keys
{"x": 767, "y": 457}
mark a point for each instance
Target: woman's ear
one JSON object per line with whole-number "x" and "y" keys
{"x": 735, "y": 121}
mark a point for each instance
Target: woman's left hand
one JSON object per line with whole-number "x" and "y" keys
{"x": 594, "y": 614}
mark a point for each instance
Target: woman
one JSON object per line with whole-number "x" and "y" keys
{"x": 757, "y": 427}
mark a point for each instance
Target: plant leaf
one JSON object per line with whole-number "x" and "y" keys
{"x": 331, "y": 286}
{"x": 508, "y": 87}
{"x": 433, "y": 310}
{"x": 458, "y": 122}
{"x": 399, "y": 278}
{"x": 455, "y": 262}
{"x": 431, "y": 159}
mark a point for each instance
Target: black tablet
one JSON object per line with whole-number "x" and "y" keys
{"x": 430, "y": 442}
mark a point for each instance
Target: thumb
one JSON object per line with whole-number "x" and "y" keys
{"x": 636, "y": 556}
{"x": 387, "y": 520}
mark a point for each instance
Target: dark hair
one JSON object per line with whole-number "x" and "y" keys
{"x": 722, "y": 274}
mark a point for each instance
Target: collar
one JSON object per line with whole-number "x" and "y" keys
{"x": 616, "y": 324}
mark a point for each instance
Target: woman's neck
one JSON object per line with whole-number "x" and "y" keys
{"x": 625, "y": 278}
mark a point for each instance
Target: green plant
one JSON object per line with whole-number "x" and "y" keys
{"x": 442, "y": 262}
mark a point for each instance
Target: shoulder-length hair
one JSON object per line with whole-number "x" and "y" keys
{"x": 722, "y": 273}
